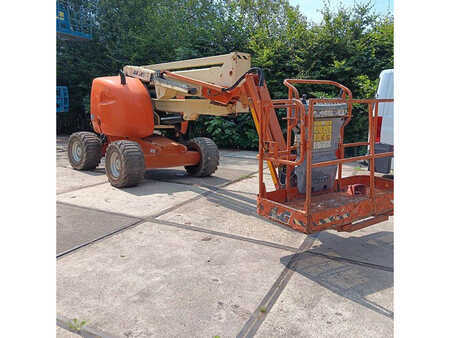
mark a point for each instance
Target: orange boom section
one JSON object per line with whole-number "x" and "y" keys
{"x": 121, "y": 110}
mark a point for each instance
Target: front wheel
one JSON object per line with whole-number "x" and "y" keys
{"x": 124, "y": 163}
{"x": 209, "y": 157}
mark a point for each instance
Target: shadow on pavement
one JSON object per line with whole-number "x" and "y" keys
{"x": 180, "y": 176}
{"x": 155, "y": 181}
{"x": 245, "y": 205}
{"x": 94, "y": 172}
{"x": 359, "y": 247}
{"x": 352, "y": 281}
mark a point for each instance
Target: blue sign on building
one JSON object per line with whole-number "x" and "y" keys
{"x": 62, "y": 99}
{"x": 71, "y": 24}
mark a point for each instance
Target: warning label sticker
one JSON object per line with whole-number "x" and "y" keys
{"x": 322, "y": 134}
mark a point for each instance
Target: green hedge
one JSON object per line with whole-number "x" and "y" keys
{"x": 351, "y": 45}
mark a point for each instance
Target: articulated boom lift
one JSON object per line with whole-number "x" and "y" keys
{"x": 310, "y": 195}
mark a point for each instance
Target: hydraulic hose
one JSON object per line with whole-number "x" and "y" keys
{"x": 256, "y": 70}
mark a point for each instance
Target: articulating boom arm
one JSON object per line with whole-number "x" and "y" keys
{"x": 349, "y": 203}
{"x": 342, "y": 204}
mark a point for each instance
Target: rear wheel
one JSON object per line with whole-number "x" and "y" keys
{"x": 124, "y": 163}
{"x": 84, "y": 150}
{"x": 209, "y": 157}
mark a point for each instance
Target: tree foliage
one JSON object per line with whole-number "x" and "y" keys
{"x": 351, "y": 45}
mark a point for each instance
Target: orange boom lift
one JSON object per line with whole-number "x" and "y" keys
{"x": 310, "y": 195}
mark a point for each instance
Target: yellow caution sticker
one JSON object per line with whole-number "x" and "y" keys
{"x": 322, "y": 134}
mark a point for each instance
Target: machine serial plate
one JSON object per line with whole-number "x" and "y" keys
{"x": 322, "y": 134}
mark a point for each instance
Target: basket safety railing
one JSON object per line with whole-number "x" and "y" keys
{"x": 270, "y": 150}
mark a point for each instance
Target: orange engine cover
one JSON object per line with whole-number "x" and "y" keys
{"x": 121, "y": 110}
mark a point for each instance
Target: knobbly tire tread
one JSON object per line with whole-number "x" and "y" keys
{"x": 209, "y": 157}
{"x": 92, "y": 150}
{"x": 133, "y": 163}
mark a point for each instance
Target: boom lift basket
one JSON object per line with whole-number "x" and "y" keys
{"x": 347, "y": 204}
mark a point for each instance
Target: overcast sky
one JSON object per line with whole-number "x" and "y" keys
{"x": 310, "y": 8}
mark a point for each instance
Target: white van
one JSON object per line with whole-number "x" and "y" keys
{"x": 384, "y": 140}
{"x": 386, "y": 110}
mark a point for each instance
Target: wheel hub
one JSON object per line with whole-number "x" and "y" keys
{"x": 115, "y": 165}
{"x": 76, "y": 151}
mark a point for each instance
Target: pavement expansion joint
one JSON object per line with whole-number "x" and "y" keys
{"x": 97, "y": 210}
{"x": 223, "y": 234}
{"x": 352, "y": 261}
{"x": 209, "y": 186}
{"x": 305, "y": 247}
{"x": 176, "y": 206}
{"x": 80, "y": 188}
{"x": 82, "y": 330}
{"x": 109, "y": 234}
{"x": 257, "y": 318}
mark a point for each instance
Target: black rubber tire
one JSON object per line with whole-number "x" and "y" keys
{"x": 91, "y": 150}
{"x": 209, "y": 156}
{"x": 132, "y": 167}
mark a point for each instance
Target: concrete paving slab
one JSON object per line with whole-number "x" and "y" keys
{"x": 371, "y": 245}
{"x": 63, "y": 333}
{"x": 234, "y": 213}
{"x": 61, "y": 151}
{"x": 167, "y": 282}
{"x": 221, "y": 177}
{"x": 238, "y": 162}
{"x": 69, "y": 179}
{"x": 325, "y": 298}
{"x": 75, "y": 225}
{"x": 61, "y": 158}
{"x": 251, "y": 185}
{"x": 374, "y": 244}
{"x": 354, "y": 168}
{"x": 244, "y": 154}
{"x": 148, "y": 198}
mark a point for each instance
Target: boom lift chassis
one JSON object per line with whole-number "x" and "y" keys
{"x": 349, "y": 203}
